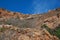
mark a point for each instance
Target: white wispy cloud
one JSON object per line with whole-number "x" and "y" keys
{"x": 42, "y": 5}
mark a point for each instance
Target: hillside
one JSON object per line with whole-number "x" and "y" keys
{"x": 18, "y": 26}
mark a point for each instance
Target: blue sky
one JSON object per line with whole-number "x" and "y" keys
{"x": 30, "y": 6}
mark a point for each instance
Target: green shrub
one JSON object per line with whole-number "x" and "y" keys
{"x": 52, "y": 31}
{"x": 48, "y": 29}
{"x": 2, "y": 29}
{"x": 57, "y": 32}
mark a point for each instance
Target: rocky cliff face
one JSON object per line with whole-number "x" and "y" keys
{"x": 9, "y": 32}
{"x": 17, "y": 26}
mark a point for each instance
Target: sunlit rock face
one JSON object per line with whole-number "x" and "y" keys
{"x": 14, "y": 33}
{"x": 18, "y": 26}
{"x": 51, "y": 18}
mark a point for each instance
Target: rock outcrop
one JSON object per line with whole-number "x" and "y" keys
{"x": 17, "y": 26}
{"x": 14, "y": 33}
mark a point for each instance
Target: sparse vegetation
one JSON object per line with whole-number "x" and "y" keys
{"x": 19, "y": 23}
{"x": 51, "y": 31}
{"x": 48, "y": 29}
{"x": 14, "y": 25}
{"x": 57, "y": 31}
{"x": 12, "y": 21}
{"x": 2, "y": 29}
{"x": 15, "y": 22}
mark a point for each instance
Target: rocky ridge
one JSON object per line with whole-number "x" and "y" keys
{"x": 17, "y": 26}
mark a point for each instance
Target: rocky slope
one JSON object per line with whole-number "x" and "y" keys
{"x": 9, "y": 32}
{"x": 17, "y": 26}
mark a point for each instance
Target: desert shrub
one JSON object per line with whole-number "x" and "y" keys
{"x": 57, "y": 31}
{"x": 8, "y": 22}
{"x": 52, "y": 31}
{"x": 47, "y": 28}
{"x": 2, "y": 29}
